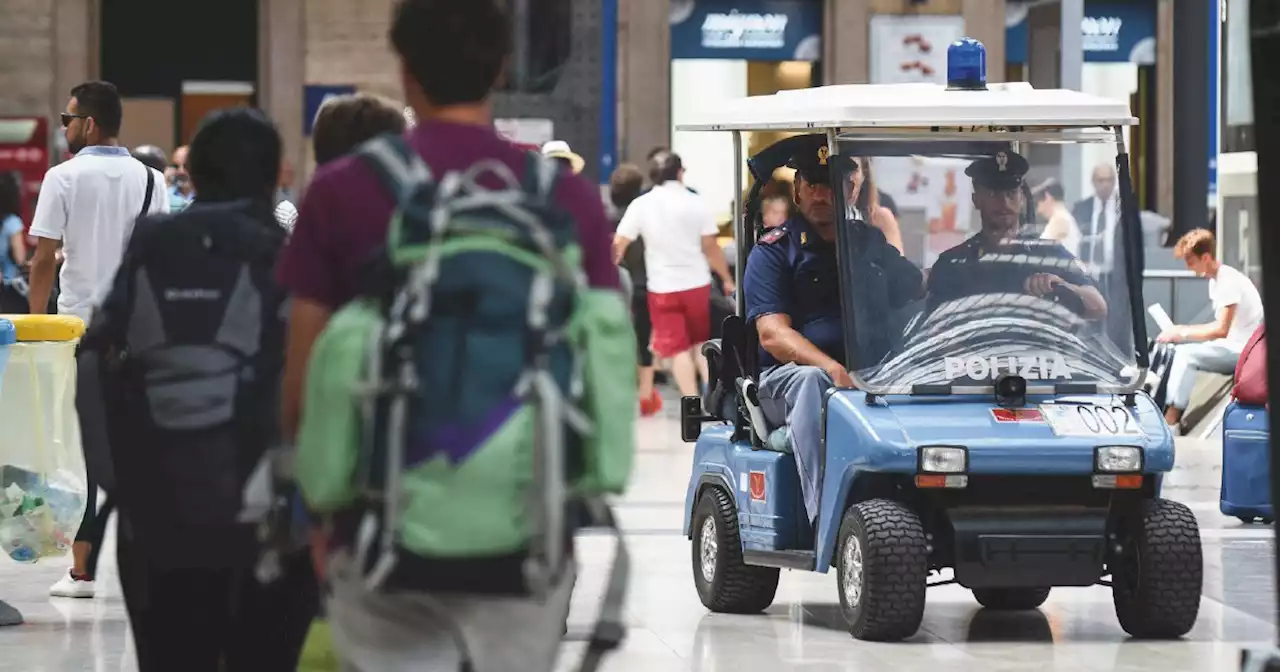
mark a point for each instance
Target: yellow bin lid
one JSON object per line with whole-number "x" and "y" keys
{"x": 46, "y": 327}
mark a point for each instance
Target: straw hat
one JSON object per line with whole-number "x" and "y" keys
{"x": 559, "y": 149}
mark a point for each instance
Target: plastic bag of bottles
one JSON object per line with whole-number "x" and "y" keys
{"x": 39, "y": 515}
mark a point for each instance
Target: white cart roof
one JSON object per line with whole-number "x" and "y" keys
{"x": 852, "y": 106}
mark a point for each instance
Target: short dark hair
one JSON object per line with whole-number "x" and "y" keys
{"x": 1053, "y": 190}
{"x": 101, "y": 101}
{"x": 454, "y": 49}
{"x": 151, "y": 156}
{"x": 346, "y": 122}
{"x": 654, "y": 152}
{"x": 625, "y": 185}
{"x": 235, "y": 154}
{"x": 670, "y": 168}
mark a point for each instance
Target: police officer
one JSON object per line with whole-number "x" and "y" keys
{"x": 999, "y": 259}
{"x": 793, "y": 298}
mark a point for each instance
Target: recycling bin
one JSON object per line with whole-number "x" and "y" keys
{"x": 42, "y": 471}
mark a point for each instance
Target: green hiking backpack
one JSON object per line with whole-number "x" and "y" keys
{"x": 480, "y": 387}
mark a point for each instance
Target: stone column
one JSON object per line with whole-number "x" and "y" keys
{"x": 847, "y": 33}
{"x": 984, "y": 21}
{"x": 75, "y": 32}
{"x": 644, "y": 81}
{"x": 845, "y": 36}
{"x": 26, "y": 56}
{"x": 281, "y": 75}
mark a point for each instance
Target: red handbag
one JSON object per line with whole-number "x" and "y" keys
{"x": 1251, "y": 371}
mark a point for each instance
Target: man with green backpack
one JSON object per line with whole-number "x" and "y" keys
{"x": 458, "y": 373}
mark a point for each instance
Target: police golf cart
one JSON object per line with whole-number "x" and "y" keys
{"x": 995, "y": 437}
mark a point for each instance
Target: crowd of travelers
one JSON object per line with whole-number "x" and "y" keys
{"x": 216, "y": 309}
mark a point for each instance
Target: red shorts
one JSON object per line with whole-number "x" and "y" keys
{"x": 681, "y": 320}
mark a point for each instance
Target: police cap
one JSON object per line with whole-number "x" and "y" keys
{"x": 1004, "y": 170}
{"x": 811, "y": 159}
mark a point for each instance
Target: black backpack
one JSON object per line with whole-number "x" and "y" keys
{"x": 190, "y": 347}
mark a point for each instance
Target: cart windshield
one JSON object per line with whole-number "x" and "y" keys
{"x": 1007, "y": 266}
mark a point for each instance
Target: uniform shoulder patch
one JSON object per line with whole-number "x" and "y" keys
{"x": 773, "y": 236}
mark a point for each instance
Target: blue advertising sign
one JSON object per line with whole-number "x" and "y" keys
{"x": 609, "y": 90}
{"x": 1111, "y": 32}
{"x": 314, "y": 95}
{"x": 752, "y": 30}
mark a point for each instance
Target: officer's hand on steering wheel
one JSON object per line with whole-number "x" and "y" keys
{"x": 1043, "y": 284}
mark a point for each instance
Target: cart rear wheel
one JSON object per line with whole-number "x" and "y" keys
{"x": 882, "y": 563}
{"x": 725, "y": 583}
{"x": 1011, "y": 599}
{"x": 1157, "y": 578}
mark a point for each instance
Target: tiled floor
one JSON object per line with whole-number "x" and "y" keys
{"x": 671, "y": 631}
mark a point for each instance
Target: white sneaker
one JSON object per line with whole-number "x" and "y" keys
{"x": 69, "y": 586}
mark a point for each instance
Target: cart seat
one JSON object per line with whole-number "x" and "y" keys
{"x": 731, "y": 395}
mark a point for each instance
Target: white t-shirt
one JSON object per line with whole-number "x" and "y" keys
{"x": 1233, "y": 288}
{"x": 90, "y": 204}
{"x": 672, "y": 220}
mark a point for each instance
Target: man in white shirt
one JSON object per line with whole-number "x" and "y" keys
{"x": 87, "y": 208}
{"x": 88, "y": 205}
{"x": 680, "y": 253}
{"x": 1215, "y": 346}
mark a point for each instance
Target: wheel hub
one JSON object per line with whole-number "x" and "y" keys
{"x": 707, "y": 549}
{"x": 851, "y": 561}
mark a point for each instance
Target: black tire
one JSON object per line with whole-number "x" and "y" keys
{"x": 733, "y": 586}
{"x": 889, "y": 603}
{"x": 1011, "y": 599}
{"x": 1157, "y": 578}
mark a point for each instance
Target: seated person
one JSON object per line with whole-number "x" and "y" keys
{"x": 1215, "y": 346}
{"x": 793, "y": 297}
{"x": 1045, "y": 269}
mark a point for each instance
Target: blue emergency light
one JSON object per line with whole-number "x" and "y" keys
{"x": 967, "y": 65}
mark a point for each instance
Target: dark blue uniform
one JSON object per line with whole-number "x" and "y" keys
{"x": 969, "y": 269}
{"x": 977, "y": 267}
{"x": 792, "y": 271}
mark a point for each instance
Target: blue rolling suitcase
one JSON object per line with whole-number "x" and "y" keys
{"x": 1246, "y": 481}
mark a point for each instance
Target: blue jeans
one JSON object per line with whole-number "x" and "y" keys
{"x": 791, "y": 394}
{"x": 1192, "y": 358}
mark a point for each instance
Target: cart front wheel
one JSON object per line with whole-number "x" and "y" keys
{"x": 882, "y": 564}
{"x": 1157, "y": 577}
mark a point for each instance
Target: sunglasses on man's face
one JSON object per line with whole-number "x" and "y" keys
{"x": 67, "y": 118}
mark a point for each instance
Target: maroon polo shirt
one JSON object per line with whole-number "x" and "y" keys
{"x": 346, "y": 210}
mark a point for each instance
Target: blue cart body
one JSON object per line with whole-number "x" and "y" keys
{"x": 866, "y": 438}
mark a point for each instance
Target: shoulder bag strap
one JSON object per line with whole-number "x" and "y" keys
{"x": 151, "y": 186}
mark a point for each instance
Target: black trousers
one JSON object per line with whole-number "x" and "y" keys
{"x": 215, "y": 620}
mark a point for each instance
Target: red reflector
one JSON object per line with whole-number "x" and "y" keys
{"x": 1017, "y": 415}
{"x": 931, "y": 481}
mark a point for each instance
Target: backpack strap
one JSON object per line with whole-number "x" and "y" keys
{"x": 396, "y": 164}
{"x": 610, "y": 628}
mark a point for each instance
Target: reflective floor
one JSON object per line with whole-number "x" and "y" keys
{"x": 671, "y": 631}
